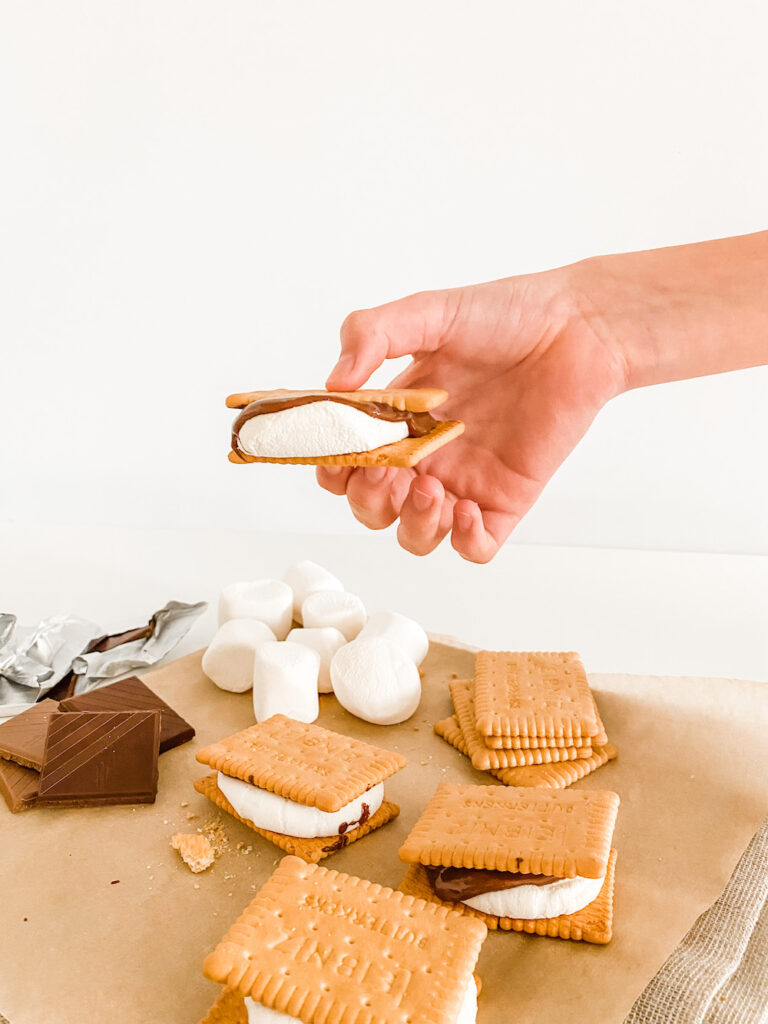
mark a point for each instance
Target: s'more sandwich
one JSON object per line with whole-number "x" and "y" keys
{"x": 525, "y": 860}
{"x": 316, "y": 946}
{"x": 306, "y": 789}
{"x": 392, "y": 427}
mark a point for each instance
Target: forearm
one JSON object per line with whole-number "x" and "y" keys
{"x": 680, "y": 312}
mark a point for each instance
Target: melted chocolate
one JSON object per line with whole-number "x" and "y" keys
{"x": 339, "y": 844}
{"x": 345, "y": 825}
{"x": 418, "y": 423}
{"x": 464, "y": 883}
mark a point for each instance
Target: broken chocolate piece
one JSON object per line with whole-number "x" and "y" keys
{"x": 22, "y": 738}
{"x": 18, "y": 785}
{"x": 134, "y": 695}
{"x": 100, "y": 757}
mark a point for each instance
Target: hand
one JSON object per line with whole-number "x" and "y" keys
{"x": 525, "y": 372}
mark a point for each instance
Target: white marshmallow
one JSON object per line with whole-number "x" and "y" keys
{"x": 269, "y": 601}
{"x": 326, "y": 641}
{"x": 278, "y": 814}
{"x": 285, "y": 681}
{"x": 260, "y": 1014}
{"x": 333, "y": 608}
{"x": 320, "y": 428}
{"x": 228, "y": 661}
{"x": 468, "y": 1011}
{"x": 376, "y": 681}
{"x": 305, "y": 578}
{"x": 401, "y": 630}
{"x": 532, "y": 902}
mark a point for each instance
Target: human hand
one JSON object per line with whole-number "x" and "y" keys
{"x": 525, "y": 372}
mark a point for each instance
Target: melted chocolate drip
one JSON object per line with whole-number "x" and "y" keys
{"x": 464, "y": 883}
{"x": 338, "y": 844}
{"x": 418, "y": 423}
{"x": 345, "y": 825}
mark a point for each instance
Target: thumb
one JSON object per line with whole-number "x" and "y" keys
{"x": 404, "y": 327}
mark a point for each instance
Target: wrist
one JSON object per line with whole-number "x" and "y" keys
{"x": 680, "y": 312}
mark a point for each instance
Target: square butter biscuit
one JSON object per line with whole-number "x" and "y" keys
{"x": 304, "y": 763}
{"x": 483, "y": 757}
{"x": 533, "y": 831}
{"x": 311, "y": 850}
{"x": 593, "y": 923}
{"x": 550, "y": 776}
{"x": 327, "y": 947}
{"x": 229, "y": 1008}
{"x": 533, "y": 693}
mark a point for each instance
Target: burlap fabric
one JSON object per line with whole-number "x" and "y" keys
{"x": 719, "y": 972}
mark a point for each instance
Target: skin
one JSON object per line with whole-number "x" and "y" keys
{"x": 528, "y": 363}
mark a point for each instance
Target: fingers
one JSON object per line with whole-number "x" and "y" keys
{"x": 425, "y": 516}
{"x": 476, "y": 537}
{"x": 376, "y": 494}
{"x": 334, "y": 478}
{"x": 404, "y": 327}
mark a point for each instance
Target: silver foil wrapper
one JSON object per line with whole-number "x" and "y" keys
{"x": 170, "y": 624}
{"x": 33, "y": 661}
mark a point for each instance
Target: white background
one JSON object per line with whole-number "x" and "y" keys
{"x": 195, "y": 194}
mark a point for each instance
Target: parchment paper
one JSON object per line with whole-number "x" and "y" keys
{"x": 76, "y": 948}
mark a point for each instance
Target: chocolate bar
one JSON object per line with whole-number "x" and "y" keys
{"x": 133, "y": 695}
{"x": 100, "y": 757}
{"x": 22, "y": 738}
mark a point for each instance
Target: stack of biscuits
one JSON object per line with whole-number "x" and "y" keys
{"x": 528, "y": 718}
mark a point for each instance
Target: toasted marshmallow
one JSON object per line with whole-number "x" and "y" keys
{"x": 402, "y": 631}
{"x": 376, "y": 681}
{"x": 346, "y": 612}
{"x": 326, "y": 641}
{"x": 228, "y": 661}
{"x": 260, "y": 1014}
{"x": 285, "y": 681}
{"x": 533, "y": 902}
{"x": 278, "y": 814}
{"x": 305, "y": 578}
{"x": 320, "y": 428}
{"x": 269, "y": 601}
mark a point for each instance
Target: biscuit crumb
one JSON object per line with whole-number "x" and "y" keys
{"x": 196, "y": 852}
{"x": 184, "y": 803}
{"x": 191, "y": 816}
{"x": 216, "y": 835}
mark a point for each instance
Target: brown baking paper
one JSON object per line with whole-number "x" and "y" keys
{"x": 100, "y": 920}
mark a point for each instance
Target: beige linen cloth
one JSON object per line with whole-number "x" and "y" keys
{"x": 719, "y": 972}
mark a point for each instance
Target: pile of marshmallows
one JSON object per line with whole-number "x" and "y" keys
{"x": 371, "y": 666}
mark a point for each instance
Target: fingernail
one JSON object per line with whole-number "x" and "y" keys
{"x": 376, "y": 473}
{"x": 464, "y": 520}
{"x": 422, "y": 500}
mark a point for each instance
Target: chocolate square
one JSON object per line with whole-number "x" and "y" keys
{"x": 22, "y": 738}
{"x": 134, "y": 695}
{"x": 100, "y": 757}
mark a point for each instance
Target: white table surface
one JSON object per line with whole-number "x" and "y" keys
{"x": 647, "y": 612}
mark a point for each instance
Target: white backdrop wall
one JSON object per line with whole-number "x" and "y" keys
{"x": 195, "y": 194}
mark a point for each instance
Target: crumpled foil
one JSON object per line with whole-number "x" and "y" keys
{"x": 165, "y": 629}
{"x": 32, "y": 662}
